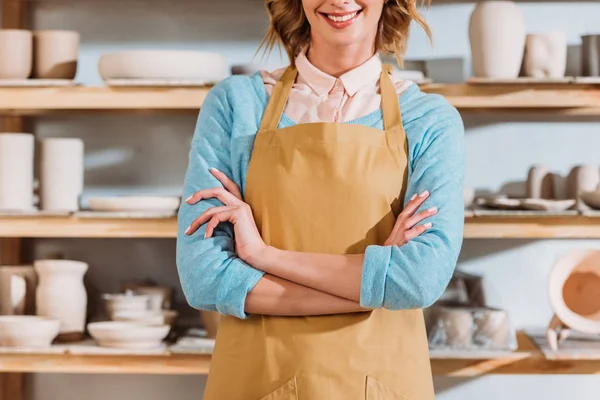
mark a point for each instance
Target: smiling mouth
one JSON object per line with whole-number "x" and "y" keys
{"x": 342, "y": 17}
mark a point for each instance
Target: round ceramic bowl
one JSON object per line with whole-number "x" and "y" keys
{"x": 592, "y": 199}
{"x": 134, "y": 203}
{"x": 572, "y": 290}
{"x": 27, "y": 331}
{"x": 130, "y": 335}
{"x": 120, "y": 302}
{"x": 164, "y": 317}
{"x": 163, "y": 64}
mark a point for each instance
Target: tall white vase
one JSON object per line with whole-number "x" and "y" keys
{"x": 497, "y": 37}
{"x": 61, "y": 174}
{"x": 61, "y": 294}
{"x": 16, "y": 171}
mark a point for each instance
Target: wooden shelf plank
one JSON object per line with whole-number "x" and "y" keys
{"x": 526, "y": 360}
{"x": 479, "y": 227}
{"x": 564, "y": 98}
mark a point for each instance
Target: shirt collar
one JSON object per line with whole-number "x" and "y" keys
{"x": 353, "y": 80}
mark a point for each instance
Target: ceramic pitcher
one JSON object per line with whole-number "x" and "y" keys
{"x": 61, "y": 294}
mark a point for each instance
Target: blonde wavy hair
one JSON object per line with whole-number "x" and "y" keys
{"x": 289, "y": 27}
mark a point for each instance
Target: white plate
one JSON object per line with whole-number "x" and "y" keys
{"x": 37, "y": 82}
{"x": 159, "y": 83}
{"x": 134, "y": 203}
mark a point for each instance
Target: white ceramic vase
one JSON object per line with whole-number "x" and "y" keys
{"x": 545, "y": 55}
{"x": 16, "y": 171}
{"x": 61, "y": 294}
{"x": 497, "y": 39}
{"x": 61, "y": 174}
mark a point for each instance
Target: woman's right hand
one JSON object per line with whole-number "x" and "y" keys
{"x": 406, "y": 227}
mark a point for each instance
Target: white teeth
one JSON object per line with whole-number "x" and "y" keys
{"x": 343, "y": 18}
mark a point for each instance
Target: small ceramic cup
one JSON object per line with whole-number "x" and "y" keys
{"x": 15, "y": 53}
{"x": 55, "y": 54}
{"x": 540, "y": 183}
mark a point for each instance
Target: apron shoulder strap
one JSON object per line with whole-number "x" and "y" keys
{"x": 278, "y": 99}
{"x": 390, "y": 105}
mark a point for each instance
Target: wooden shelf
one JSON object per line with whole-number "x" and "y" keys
{"x": 479, "y": 227}
{"x": 563, "y": 98}
{"x": 526, "y": 360}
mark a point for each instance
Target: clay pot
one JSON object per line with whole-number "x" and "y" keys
{"x": 16, "y": 171}
{"x": 545, "y": 55}
{"x": 540, "y": 183}
{"x": 15, "y": 53}
{"x": 582, "y": 178}
{"x": 590, "y": 55}
{"x": 55, "y": 54}
{"x": 573, "y": 290}
{"x": 61, "y": 174}
{"x": 61, "y": 294}
{"x": 497, "y": 39}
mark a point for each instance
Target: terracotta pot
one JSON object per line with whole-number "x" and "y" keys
{"x": 573, "y": 290}
{"x": 545, "y": 55}
{"x": 497, "y": 39}
{"x": 61, "y": 294}
{"x": 61, "y": 174}
{"x": 210, "y": 320}
{"x": 16, "y": 171}
{"x": 15, "y": 53}
{"x": 55, "y": 54}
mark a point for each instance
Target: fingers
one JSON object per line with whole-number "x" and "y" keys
{"x": 230, "y": 185}
{"x": 414, "y": 203}
{"x": 208, "y": 215}
{"x": 415, "y": 219}
{"x": 216, "y": 220}
{"x": 414, "y": 232}
{"x": 221, "y": 194}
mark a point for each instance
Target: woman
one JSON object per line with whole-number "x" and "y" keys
{"x": 307, "y": 188}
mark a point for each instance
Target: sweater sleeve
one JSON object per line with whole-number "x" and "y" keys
{"x": 416, "y": 274}
{"x": 212, "y": 276}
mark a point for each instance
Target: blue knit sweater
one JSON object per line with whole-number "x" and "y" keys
{"x": 410, "y": 276}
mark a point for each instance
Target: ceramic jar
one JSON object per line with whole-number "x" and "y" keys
{"x": 16, "y": 171}
{"x": 497, "y": 39}
{"x": 15, "y": 53}
{"x": 61, "y": 174}
{"x": 55, "y": 54}
{"x": 590, "y": 55}
{"x": 545, "y": 55}
{"x": 61, "y": 294}
{"x": 582, "y": 178}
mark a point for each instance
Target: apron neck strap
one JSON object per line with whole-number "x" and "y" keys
{"x": 389, "y": 99}
{"x": 278, "y": 99}
{"x": 390, "y": 105}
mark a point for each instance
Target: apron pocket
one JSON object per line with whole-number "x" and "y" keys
{"x": 287, "y": 391}
{"x": 378, "y": 391}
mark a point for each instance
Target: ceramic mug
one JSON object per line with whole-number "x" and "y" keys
{"x": 61, "y": 174}
{"x": 590, "y": 55}
{"x": 55, "y": 54}
{"x": 15, "y": 53}
{"x": 16, "y": 171}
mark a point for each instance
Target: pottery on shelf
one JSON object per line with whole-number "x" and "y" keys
{"x": 590, "y": 55}
{"x": 61, "y": 294}
{"x": 547, "y": 205}
{"x": 497, "y": 39}
{"x": 159, "y": 297}
{"x": 61, "y": 174}
{"x": 129, "y": 335}
{"x": 16, "y": 171}
{"x": 129, "y": 301}
{"x": 17, "y": 290}
{"x": 540, "y": 183}
{"x": 582, "y": 178}
{"x": 573, "y": 290}
{"x": 135, "y": 203}
{"x": 545, "y": 55}
{"x": 16, "y": 46}
{"x": 55, "y": 54}
{"x": 592, "y": 198}
{"x": 163, "y": 64}
{"x": 493, "y": 329}
{"x": 162, "y": 317}
{"x": 27, "y": 331}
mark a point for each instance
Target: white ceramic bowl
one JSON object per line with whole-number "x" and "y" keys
{"x": 130, "y": 335}
{"x": 27, "y": 331}
{"x": 134, "y": 203}
{"x": 125, "y": 302}
{"x": 163, "y": 64}
{"x": 164, "y": 317}
{"x": 592, "y": 199}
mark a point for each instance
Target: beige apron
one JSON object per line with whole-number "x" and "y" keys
{"x": 325, "y": 188}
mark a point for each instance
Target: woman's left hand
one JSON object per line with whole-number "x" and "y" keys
{"x": 248, "y": 242}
